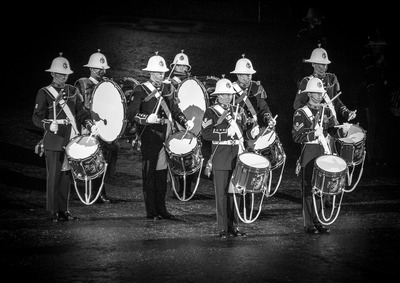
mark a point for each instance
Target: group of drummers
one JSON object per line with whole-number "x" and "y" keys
{"x": 180, "y": 119}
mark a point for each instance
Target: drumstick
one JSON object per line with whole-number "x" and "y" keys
{"x": 90, "y": 137}
{"x": 348, "y": 119}
{"x": 187, "y": 129}
{"x": 276, "y": 116}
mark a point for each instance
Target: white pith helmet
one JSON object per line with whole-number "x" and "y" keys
{"x": 97, "y": 60}
{"x": 181, "y": 59}
{"x": 319, "y": 56}
{"x": 156, "y": 63}
{"x": 315, "y": 85}
{"x": 243, "y": 66}
{"x": 60, "y": 65}
{"x": 223, "y": 86}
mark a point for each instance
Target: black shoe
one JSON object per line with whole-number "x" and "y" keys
{"x": 103, "y": 199}
{"x": 66, "y": 216}
{"x": 311, "y": 230}
{"x": 223, "y": 234}
{"x": 237, "y": 233}
{"x": 322, "y": 230}
{"x": 166, "y": 215}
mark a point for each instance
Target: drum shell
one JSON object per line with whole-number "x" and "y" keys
{"x": 352, "y": 152}
{"x": 89, "y": 167}
{"x": 184, "y": 163}
{"x": 274, "y": 153}
{"x": 248, "y": 178}
{"x": 329, "y": 183}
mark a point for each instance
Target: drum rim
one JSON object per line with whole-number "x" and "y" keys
{"x": 334, "y": 157}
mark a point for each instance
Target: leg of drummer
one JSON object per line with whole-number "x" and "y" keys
{"x": 308, "y": 208}
{"x": 221, "y": 182}
{"x": 233, "y": 217}
{"x": 160, "y": 193}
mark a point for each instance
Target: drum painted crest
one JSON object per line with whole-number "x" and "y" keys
{"x": 192, "y": 97}
{"x": 107, "y": 110}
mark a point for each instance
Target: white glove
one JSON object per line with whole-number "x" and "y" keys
{"x": 189, "y": 125}
{"x": 237, "y": 88}
{"x": 255, "y": 131}
{"x": 352, "y": 115}
{"x": 319, "y": 131}
{"x": 231, "y": 132}
{"x": 54, "y": 127}
{"x": 271, "y": 123}
{"x": 152, "y": 118}
{"x": 94, "y": 130}
{"x": 346, "y": 127}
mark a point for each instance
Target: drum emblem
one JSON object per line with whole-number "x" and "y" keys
{"x": 256, "y": 182}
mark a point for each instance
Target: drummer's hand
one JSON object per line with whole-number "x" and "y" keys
{"x": 352, "y": 115}
{"x": 94, "y": 130}
{"x": 319, "y": 131}
{"x": 152, "y": 118}
{"x": 231, "y": 132}
{"x": 271, "y": 123}
{"x": 54, "y": 126}
{"x": 255, "y": 131}
{"x": 346, "y": 127}
{"x": 189, "y": 124}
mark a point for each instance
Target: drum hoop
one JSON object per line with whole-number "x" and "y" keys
{"x": 170, "y": 152}
{"x": 73, "y": 141}
{"x": 334, "y": 157}
{"x": 123, "y": 102}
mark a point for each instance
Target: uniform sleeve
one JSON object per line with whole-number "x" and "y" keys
{"x": 340, "y": 107}
{"x": 301, "y": 129}
{"x": 133, "y": 111}
{"x": 39, "y": 117}
{"x": 82, "y": 115}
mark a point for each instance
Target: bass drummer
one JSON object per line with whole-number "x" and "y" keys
{"x": 57, "y": 110}
{"x": 155, "y": 111}
{"x": 309, "y": 131}
{"x": 98, "y": 66}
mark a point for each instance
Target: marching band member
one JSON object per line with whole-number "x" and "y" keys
{"x": 312, "y": 130}
{"x": 180, "y": 70}
{"x": 57, "y": 109}
{"x": 98, "y": 65}
{"x": 154, "y": 110}
{"x": 319, "y": 61}
{"x": 224, "y": 129}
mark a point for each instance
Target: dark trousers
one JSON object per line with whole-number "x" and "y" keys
{"x": 309, "y": 216}
{"x": 154, "y": 188}
{"x": 227, "y": 217}
{"x": 58, "y": 182}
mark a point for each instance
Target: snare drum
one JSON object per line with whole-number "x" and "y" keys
{"x": 183, "y": 153}
{"x": 85, "y": 157}
{"x": 251, "y": 172}
{"x": 352, "y": 147}
{"x": 107, "y": 109}
{"x": 329, "y": 174}
{"x": 270, "y": 146}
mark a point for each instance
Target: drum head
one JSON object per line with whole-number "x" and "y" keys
{"x": 331, "y": 163}
{"x": 265, "y": 141}
{"x": 81, "y": 147}
{"x": 192, "y": 101}
{"x": 107, "y": 109}
{"x": 254, "y": 160}
{"x": 179, "y": 144}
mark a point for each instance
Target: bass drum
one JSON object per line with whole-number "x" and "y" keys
{"x": 209, "y": 83}
{"x": 192, "y": 97}
{"x": 85, "y": 157}
{"x": 107, "y": 109}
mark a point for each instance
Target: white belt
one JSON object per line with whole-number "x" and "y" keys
{"x": 312, "y": 142}
{"x": 162, "y": 121}
{"x": 230, "y": 142}
{"x": 60, "y": 121}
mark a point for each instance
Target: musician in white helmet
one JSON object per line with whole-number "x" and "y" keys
{"x": 98, "y": 67}
{"x": 60, "y": 126}
{"x": 319, "y": 61}
{"x": 155, "y": 112}
{"x": 227, "y": 131}
{"x": 308, "y": 132}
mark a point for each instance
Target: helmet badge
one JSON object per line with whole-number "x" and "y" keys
{"x": 319, "y": 85}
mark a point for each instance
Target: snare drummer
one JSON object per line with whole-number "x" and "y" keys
{"x": 180, "y": 70}
{"x": 155, "y": 112}
{"x": 319, "y": 61}
{"x": 98, "y": 66}
{"x": 307, "y": 130}
{"x": 58, "y": 131}
{"x": 226, "y": 134}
